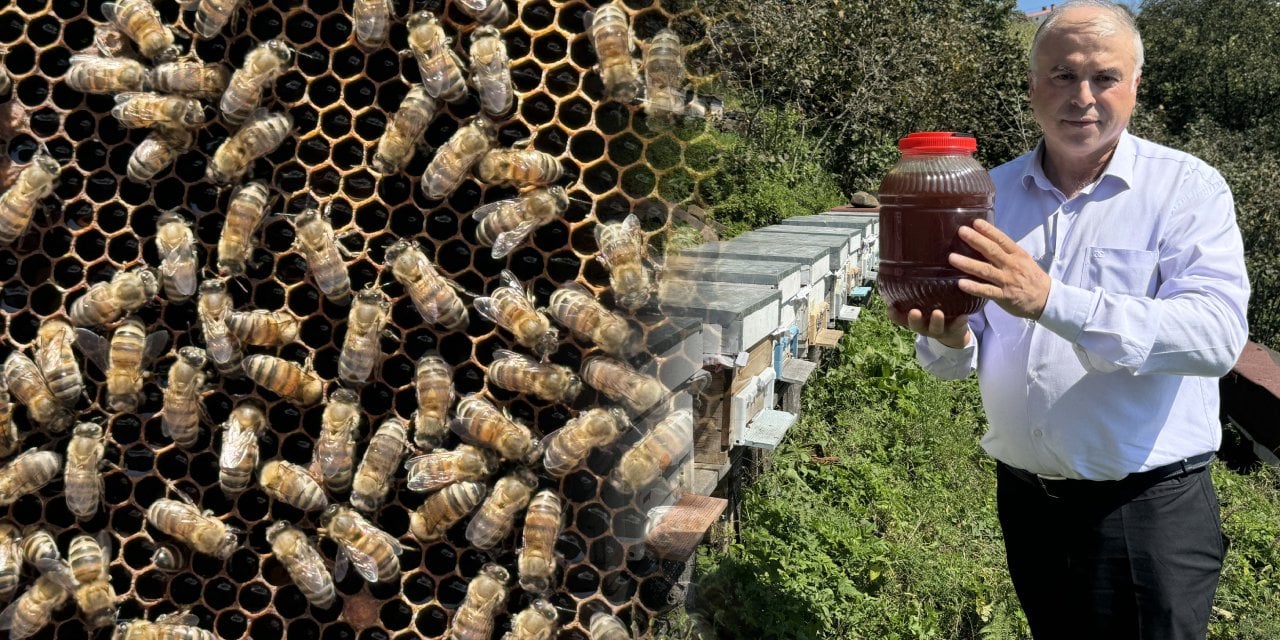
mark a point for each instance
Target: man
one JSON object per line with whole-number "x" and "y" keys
{"x": 1117, "y": 291}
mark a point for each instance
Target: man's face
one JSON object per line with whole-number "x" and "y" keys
{"x": 1084, "y": 86}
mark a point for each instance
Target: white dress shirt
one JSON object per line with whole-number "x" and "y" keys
{"x": 1146, "y": 311}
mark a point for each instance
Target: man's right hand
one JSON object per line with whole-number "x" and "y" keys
{"x": 953, "y": 332}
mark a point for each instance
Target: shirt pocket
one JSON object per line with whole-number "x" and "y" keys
{"x": 1126, "y": 271}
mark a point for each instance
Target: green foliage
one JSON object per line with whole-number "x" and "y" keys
{"x": 876, "y": 518}
{"x": 770, "y": 172}
{"x": 863, "y": 74}
{"x": 1218, "y": 59}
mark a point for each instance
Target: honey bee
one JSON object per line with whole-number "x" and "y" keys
{"x": 654, "y": 453}
{"x": 181, "y": 415}
{"x": 538, "y": 622}
{"x": 614, "y": 43}
{"x": 371, "y": 550}
{"x": 445, "y": 508}
{"x": 262, "y": 66}
{"x": 26, "y": 382}
{"x": 141, "y": 109}
{"x": 487, "y": 11}
{"x": 372, "y": 20}
{"x": 376, "y": 472}
{"x": 212, "y": 309}
{"x": 263, "y": 328}
{"x": 335, "y": 451}
{"x": 433, "y": 49}
{"x": 573, "y": 306}
{"x": 491, "y": 67}
{"x": 621, "y": 383}
{"x": 482, "y": 424}
{"x": 291, "y": 380}
{"x": 260, "y": 135}
{"x": 569, "y": 445}
{"x": 10, "y": 560}
{"x": 538, "y": 559}
{"x": 304, "y": 564}
{"x": 497, "y": 515}
{"x": 9, "y": 438}
{"x": 169, "y": 558}
{"x": 292, "y": 485}
{"x": 139, "y": 20}
{"x": 159, "y": 150}
{"x": 239, "y": 457}
{"x": 94, "y": 595}
{"x": 519, "y": 167}
{"x": 203, "y": 532}
{"x": 435, "y": 296}
{"x": 365, "y": 326}
{"x": 245, "y": 210}
{"x": 57, "y": 360}
{"x": 545, "y": 380}
{"x": 506, "y": 223}
{"x": 176, "y": 245}
{"x": 404, "y": 131}
{"x": 125, "y": 360}
{"x": 430, "y": 472}
{"x": 105, "y": 302}
{"x": 178, "y": 625}
{"x": 485, "y": 594}
{"x": 623, "y": 250}
{"x": 314, "y": 237}
{"x": 605, "y": 626}
{"x": 454, "y": 159}
{"x": 33, "y": 609}
{"x": 41, "y": 551}
{"x": 664, "y": 75}
{"x": 18, "y": 204}
{"x": 213, "y": 15}
{"x": 95, "y": 74}
{"x": 433, "y": 384}
{"x": 512, "y": 309}
{"x": 83, "y": 482}
{"x": 190, "y": 77}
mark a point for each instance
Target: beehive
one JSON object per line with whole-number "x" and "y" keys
{"x": 99, "y": 222}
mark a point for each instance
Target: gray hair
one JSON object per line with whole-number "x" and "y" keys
{"x": 1120, "y": 17}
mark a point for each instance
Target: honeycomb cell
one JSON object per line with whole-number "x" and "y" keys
{"x": 268, "y": 627}
{"x": 571, "y": 547}
{"x": 185, "y": 589}
{"x": 265, "y": 25}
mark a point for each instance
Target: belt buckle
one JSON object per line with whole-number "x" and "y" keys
{"x": 1040, "y": 478}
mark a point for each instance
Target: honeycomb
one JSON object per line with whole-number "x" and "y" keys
{"x": 99, "y": 222}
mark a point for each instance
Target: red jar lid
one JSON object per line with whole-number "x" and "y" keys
{"x": 938, "y": 142}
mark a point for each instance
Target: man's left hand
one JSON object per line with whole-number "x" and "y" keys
{"x": 1010, "y": 277}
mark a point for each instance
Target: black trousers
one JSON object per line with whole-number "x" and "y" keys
{"x": 1111, "y": 560}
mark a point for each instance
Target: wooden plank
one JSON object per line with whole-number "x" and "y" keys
{"x": 828, "y": 338}
{"x": 684, "y": 525}
{"x": 797, "y": 371}
{"x": 759, "y": 358}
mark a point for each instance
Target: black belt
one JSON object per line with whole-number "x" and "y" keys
{"x": 1060, "y": 487}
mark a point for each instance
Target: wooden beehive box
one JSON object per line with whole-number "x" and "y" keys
{"x": 742, "y": 315}
{"x": 786, "y": 277}
{"x": 835, "y": 237}
{"x": 867, "y": 226}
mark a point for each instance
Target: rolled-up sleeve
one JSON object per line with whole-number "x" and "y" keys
{"x": 950, "y": 363}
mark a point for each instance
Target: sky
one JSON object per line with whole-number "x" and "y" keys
{"x": 1035, "y": 5}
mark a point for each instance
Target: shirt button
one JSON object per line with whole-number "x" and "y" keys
{"x": 1039, "y": 433}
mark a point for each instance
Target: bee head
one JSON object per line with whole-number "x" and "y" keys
{"x": 193, "y": 356}
{"x": 275, "y": 530}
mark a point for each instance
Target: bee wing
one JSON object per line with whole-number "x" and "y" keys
{"x": 340, "y": 563}
{"x": 486, "y": 308}
{"x": 487, "y": 210}
{"x": 577, "y": 287}
{"x": 385, "y": 538}
{"x": 364, "y": 563}
{"x": 85, "y": 502}
{"x": 510, "y": 280}
{"x": 94, "y": 347}
{"x": 48, "y": 354}
{"x": 104, "y": 540}
{"x": 508, "y": 240}
{"x": 58, "y": 571}
{"x": 474, "y": 5}
{"x": 182, "y": 617}
{"x": 439, "y": 476}
{"x": 588, "y": 19}
{"x": 632, "y": 224}
{"x": 6, "y": 616}
{"x": 123, "y": 98}
{"x": 111, "y": 11}
{"x": 236, "y": 444}
{"x": 184, "y": 280}
{"x": 309, "y": 569}
{"x": 154, "y": 345}
{"x": 503, "y": 354}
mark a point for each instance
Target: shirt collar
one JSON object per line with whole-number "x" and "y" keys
{"x": 1120, "y": 166}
